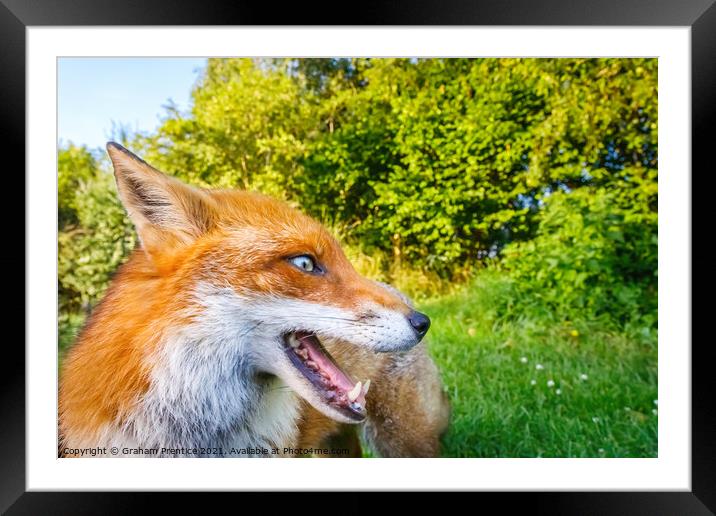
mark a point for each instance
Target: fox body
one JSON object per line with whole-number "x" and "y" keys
{"x": 240, "y": 323}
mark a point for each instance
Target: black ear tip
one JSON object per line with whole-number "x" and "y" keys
{"x": 114, "y": 146}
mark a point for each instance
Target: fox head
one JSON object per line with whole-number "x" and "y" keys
{"x": 262, "y": 281}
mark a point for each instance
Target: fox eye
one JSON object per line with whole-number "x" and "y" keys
{"x": 305, "y": 263}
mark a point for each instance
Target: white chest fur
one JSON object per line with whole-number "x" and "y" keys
{"x": 204, "y": 393}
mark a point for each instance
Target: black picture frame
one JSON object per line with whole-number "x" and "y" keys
{"x": 17, "y": 15}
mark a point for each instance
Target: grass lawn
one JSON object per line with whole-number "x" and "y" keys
{"x": 528, "y": 389}
{"x": 525, "y": 389}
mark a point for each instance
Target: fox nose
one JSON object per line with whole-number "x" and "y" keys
{"x": 419, "y": 322}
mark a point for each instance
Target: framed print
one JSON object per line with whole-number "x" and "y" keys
{"x": 438, "y": 250}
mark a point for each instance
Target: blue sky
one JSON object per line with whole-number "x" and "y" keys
{"x": 93, "y": 92}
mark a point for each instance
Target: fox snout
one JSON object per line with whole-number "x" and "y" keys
{"x": 395, "y": 301}
{"x": 420, "y": 323}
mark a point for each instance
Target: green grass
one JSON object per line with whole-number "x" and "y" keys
{"x": 488, "y": 369}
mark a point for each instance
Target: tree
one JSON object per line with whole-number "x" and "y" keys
{"x": 443, "y": 161}
{"x": 435, "y": 163}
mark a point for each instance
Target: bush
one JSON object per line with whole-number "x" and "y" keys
{"x": 95, "y": 235}
{"x": 594, "y": 256}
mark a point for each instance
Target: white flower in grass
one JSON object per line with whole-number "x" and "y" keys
{"x": 558, "y": 392}
{"x": 539, "y": 367}
{"x": 656, "y": 402}
{"x": 655, "y": 412}
{"x": 523, "y": 360}
{"x": 583, "y": 377}
{"x": 550, "y": 383}
{"x": 595, "y": 419}
{"x": 601, "y": 450}
{"x": 533, "y": 382}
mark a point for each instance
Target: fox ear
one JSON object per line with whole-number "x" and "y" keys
{"x": 165, "y": 211}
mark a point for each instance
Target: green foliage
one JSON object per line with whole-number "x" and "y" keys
{"x": 430, "y": 166}
{"x": 442, "y": 162}
{"x": 438, "y": 162}
{"x": 94, "y": 236}
{"x": 594, "y": 255}
{"x": 69, "y": 326}
{"x": 76, "y": 166}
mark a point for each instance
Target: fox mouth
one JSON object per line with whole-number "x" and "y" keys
{"x": 334, "y": 386}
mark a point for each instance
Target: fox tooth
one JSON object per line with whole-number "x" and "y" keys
{"x": 355, "y": 392}
{"x": 293, "y": 341}
{"x": 366, "y": 386}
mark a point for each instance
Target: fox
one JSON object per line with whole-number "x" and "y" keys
{"x": 237, "y": 326}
